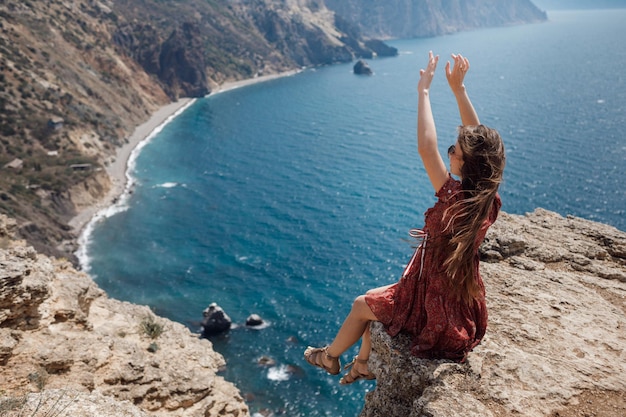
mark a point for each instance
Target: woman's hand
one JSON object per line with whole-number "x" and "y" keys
{"x": 456, "y": 75}
{"x": 426, "y": 75}
{"x": 455, "y": 78}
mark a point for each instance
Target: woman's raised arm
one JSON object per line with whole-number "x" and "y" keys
{"x": 455, "y": 78}
{"x": 426, "y": 131}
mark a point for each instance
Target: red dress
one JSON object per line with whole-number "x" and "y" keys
{"x": 422, "y": 304}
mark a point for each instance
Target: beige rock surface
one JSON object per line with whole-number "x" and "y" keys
{"x": 59, "y": 331}
{"x": 54, "y": 402}
{"x": 555, "y": 346}
{"x": 556, "y": 341}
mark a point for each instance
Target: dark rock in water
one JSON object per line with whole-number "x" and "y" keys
{"x": 295, "y": 371}
{"x": 266, "y": 361}
{"x": 361, "y": 68}
{"x": 215, "y": 320}
{"x": 254, "y": 320}
{"x": 380, "y": 48}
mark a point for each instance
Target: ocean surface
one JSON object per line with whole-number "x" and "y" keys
{"x": 291, "y": 197}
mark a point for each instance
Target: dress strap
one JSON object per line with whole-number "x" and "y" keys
{"x": 417, "y": 234}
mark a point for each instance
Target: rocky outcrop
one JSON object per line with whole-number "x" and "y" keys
{"x": 59, "y": 331}
{"x": 556, "y": 292}
{"x": 362, "y": 68}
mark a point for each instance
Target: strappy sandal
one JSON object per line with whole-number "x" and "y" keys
{"x": 313, "y": 357}
{"x": 352, "y": 377}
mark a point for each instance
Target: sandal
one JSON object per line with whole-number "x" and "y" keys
{"x": 312, "y": 356}
{"x": 352, "y": 377}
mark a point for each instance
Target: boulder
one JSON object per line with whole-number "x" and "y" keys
{"x": 361, "y": 68}
{"x": 254, "y": 320}
{"x": 215, "y": 320}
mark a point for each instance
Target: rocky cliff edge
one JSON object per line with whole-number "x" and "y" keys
{"x": 84, "y": 354}
{"x": 556, "y": 340}
{"x": 555, "y": 345}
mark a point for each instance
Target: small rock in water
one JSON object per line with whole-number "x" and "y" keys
{"x": 215, "y": 320}
{"x": 254, "y": 320}
{"x": 362, "y": 68}
{"x": 266, "y": 361}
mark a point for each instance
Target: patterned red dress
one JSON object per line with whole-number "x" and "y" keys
{"x": 422, "y": 304}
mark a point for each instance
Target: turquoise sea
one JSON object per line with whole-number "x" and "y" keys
{"x": 291, "y": 197}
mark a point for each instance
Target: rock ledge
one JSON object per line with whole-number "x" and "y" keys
{"x": 556, "y": 293}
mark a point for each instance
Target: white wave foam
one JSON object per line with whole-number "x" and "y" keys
{"x": 168, "y": 185}
{"x": 278, "y": 373}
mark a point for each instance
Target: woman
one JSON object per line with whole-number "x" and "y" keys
{"x": 440, "y": 298}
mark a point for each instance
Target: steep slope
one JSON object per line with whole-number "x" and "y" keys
{"x": 67, "y": 99}
{"x": 77, "y": 76}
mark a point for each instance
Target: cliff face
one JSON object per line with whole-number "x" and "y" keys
{"x": 556, "y": 339}
{"x": 422, "y": 18}
{"x": 62, "y": 337}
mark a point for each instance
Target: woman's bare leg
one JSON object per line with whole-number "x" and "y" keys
{"x": 366, "y": 344}
{"x": 353, "y": 327}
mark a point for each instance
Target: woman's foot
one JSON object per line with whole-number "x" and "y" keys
{"x": 358, "y": 370}
{"x": 319, "y": 357}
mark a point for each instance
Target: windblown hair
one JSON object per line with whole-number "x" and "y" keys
{"x": 481, "y": 175}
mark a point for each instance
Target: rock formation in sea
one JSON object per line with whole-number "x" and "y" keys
{"x": 556, "y": 339}
{"x": 362, "y": 68}
{"x": 254, "y": 320}
{"x": 215, "y": 320}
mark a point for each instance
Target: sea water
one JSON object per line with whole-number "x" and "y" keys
{"x": 291, "y": 197}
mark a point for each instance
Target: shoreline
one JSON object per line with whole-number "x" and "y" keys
{"x": 117, "y": 170}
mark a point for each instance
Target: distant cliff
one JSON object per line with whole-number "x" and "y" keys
{"x": 423, "y": 18}
{"x": 77, "y": 76}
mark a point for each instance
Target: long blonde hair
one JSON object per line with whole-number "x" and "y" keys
{"x": 481, "y": 175}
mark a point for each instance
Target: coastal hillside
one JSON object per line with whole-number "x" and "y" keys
{"x": 77, "y": 77}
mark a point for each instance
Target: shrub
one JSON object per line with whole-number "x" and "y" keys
{"x": 151, "y": 327}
